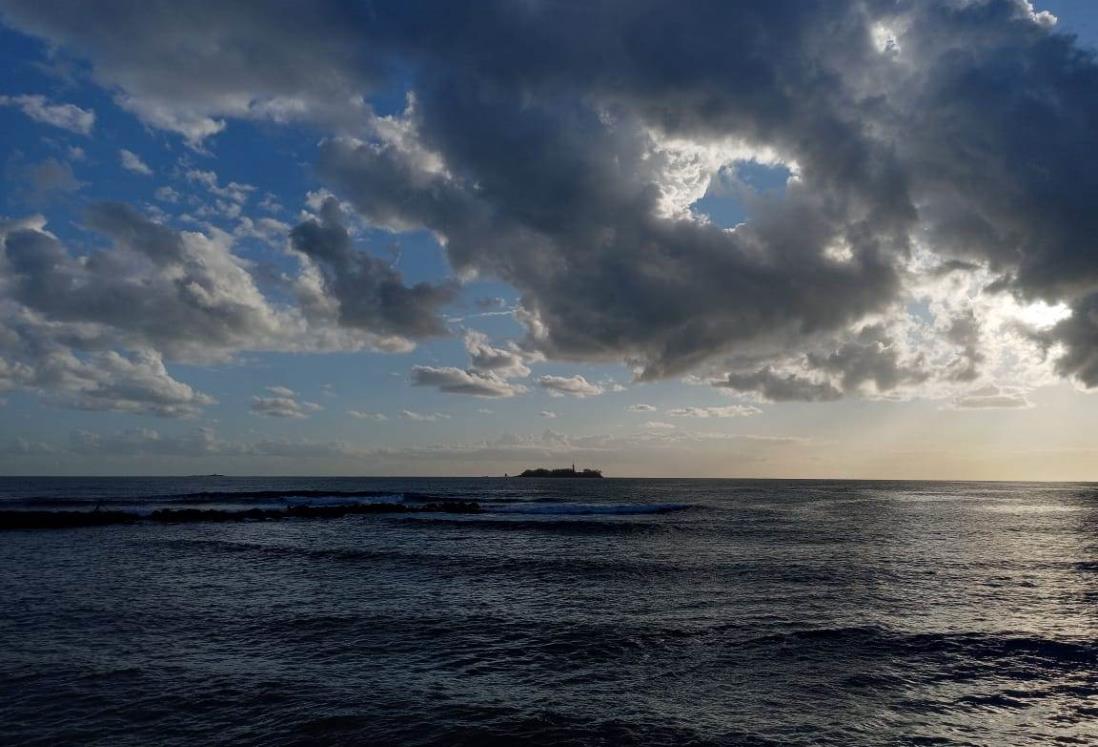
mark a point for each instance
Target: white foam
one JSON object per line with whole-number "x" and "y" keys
{"x": 338, "y": 500}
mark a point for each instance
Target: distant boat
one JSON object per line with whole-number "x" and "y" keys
{"x": 561, "y": 472}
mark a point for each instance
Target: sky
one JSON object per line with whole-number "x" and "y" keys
{"x": 849, "y": 239}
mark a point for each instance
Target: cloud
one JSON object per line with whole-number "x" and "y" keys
{"x": 871, "y": 357}
{"x": 1078, "y": 334}
{"x": 23, "y": 447}
{"x": 776, "y": 387}
{"x": 424, "y": 417}
{"x": 137, "y": 382}
{"x": 366, "y": 415}
{"x": 370, "y": 294}
{"x": 641, "y": 407}
{"x": 658, "y": 425}
{"x": 457, "y": 381}
{"x": 488, "y": 373}
{"x": 573, "y": 386}
{"x": 284, "y": 404}
{"x": 132, "y": 162}
{"x": 548, "y": 414}
{"x": 233, "y": 191}
{"x": 155, "y": 294}
{"x": 204, "y": 446}
{"x": 40, "y": 182}
{"x": 167, "y": 194}
{"x": 66, "y": 116}
{"x": 148, "y": 442}
{"x": 508, "y": 362}
{"x": 991, "y": 398}
{"x": 184, "y": 293}
{"x": 726, "y": 411}
{"x": 181, "y": 293}
{"x": 300, "y": 64}
{"x": 565, "y": 157}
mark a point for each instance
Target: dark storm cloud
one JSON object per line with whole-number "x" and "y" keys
{"x": 544, "y": 145}
{"x": 778, "y": 387}
{"x": 1079, "y": 333}
{"x": 870, "y": 357}
{"x": 370, "y": 292}
{"x": 964, "y": 331}
{"x": 605, "y": 278}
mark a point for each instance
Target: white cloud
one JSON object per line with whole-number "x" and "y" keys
{"x": 572, "y": 386}
{"x": 284, "y": 404}
{"x": 727, "y": 411}
{"x": 424, "y": 417}
{"x": 458, "y": 381}
{"x": 548, "y": 414}
{"x": 132, "y": 162}
{"x": 507, "y": 362}
{"x": 134, "y": 383}
{"x": 489, "y": 369}
{"x": 367, "y": 415}
{"x": 234, "y": 192}
{"x": 992, "y": 397}
{"x": 66, "y": 116}
{"x": 167, "y": 194}
{"x": 641, "y": 407}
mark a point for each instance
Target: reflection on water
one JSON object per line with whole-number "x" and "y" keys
{"x": 585, "y": 612}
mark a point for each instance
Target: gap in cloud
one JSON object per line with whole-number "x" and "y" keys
{"x": 488, "y": 306}
{"x": 416, "y": 254}
{"x": 392, "y": 99}
{"x": 725, "y": 203}
{"x": 274, "y": 157}
{"x": 1073, "y": 17}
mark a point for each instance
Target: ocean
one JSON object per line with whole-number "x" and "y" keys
{"x": 570, "y": 612}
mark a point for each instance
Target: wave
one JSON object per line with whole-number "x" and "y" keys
{"x": 593, "y": 509}
{"x": 558, "y": 526}
{"x": 971, "y": 647}
{"x": 21, "y": 520}
{"x": 540, "y": 568}
{"x": 237, "y": 497}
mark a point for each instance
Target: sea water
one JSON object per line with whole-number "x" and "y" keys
{"x": 567, "y": 611}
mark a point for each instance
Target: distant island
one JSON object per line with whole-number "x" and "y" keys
{"x": 561, "y": 472}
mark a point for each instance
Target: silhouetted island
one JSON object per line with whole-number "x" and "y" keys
{"x": 561, "y": 472}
